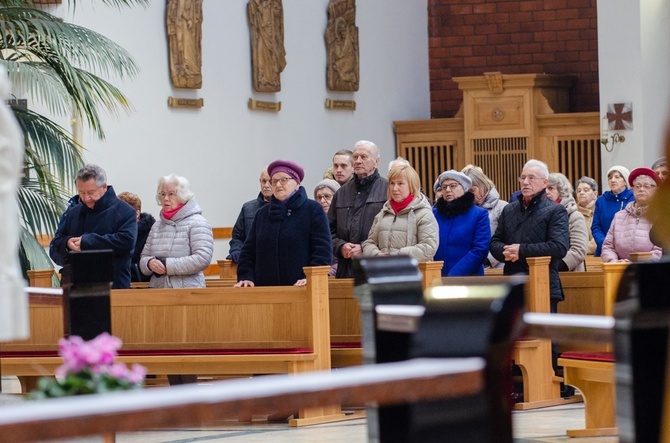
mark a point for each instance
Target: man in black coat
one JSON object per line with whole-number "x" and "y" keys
{"x": 246, "y": 217}
{"x": 97, "y": 219}
{"x": 355, "y": 206}
{"x": 533, "y": 226}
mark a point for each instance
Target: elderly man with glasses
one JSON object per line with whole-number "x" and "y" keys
{"x": 534, "y": 226}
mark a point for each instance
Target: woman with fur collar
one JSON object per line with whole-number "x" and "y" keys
{"x": 465, "y": 231}
{"x": 405, "y": 225}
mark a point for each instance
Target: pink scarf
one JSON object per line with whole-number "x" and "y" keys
{"x": 170, "y": 214}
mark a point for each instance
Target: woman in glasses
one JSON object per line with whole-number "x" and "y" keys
{"x": 323, "y": 194}
{"x": 630, "y": 228}
{"x": 180, "y": 244}
{"x": 287, "y": 234}
{"x": 405, "y": 225}
{"x": 465, "y": 231}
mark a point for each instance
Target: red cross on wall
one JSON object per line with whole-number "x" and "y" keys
{"x": 620, "y": 116}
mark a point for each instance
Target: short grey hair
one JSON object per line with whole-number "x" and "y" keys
{"x": 589, "y": 181}
{"x": 533, "y": 163}
{"x": 560, "y": 182}
{"x": 91, "y": 171}
{"x": 373, "y": 148}
{"x": 182, "y": 188}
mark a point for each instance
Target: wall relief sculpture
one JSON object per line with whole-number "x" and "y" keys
{"x": 342, "y": 46}
{"x": 268, "y": 56}
{"x": 184, "y": 29}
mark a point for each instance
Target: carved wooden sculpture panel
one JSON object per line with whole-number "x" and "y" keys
{"x": 266, "y": 20}
{"x": 342, "y": 45}
{"x": 184, "y": 29}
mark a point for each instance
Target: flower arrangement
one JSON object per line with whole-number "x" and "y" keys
{"x": 89, "y": 368}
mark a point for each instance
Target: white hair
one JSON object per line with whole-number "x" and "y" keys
{"x": 182, "y": 188}
{"x": 374, "y": 150}
{"x": 398, "y": 161}
{"x": 542, "y": 166}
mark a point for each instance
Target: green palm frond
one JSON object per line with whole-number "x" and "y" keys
{"x": 39, "y": 211}
{"x": 49, "y": 149}
{"x": 32, "y": 252}
{"x": 64, "y": 67}
{"x": 63, "y": 52}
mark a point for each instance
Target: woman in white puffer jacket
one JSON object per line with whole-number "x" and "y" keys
{"x": 180, "y": 244}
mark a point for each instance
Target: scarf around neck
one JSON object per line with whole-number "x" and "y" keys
{"x": 397, "y": 207}
{"x": 170, "y": 214}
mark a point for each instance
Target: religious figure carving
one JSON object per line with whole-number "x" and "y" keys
{"x": 184, "y": 29}
{"x": 342, "y": 45}
{"x": 13, "y": 299}
{"x": 266, "y": 19}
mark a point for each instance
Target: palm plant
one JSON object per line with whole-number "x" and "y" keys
{"x": 56, "y": 64}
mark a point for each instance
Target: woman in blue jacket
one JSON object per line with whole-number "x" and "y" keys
{"x": 610, "y": 203}
{"x": 464, "y": 227}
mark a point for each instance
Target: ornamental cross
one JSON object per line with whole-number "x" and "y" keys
{"x": 620, "y": 116}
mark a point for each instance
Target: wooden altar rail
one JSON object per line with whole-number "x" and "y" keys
{"x": 191, "y": 405}
{"x": 217, "y": 331}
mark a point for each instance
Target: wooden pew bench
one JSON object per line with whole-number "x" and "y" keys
{"x": 204, "y": 331}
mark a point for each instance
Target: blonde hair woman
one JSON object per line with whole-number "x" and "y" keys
{"x": 405, "y": 224}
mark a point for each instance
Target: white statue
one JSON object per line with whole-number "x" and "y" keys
{"x": 13, "y": 299}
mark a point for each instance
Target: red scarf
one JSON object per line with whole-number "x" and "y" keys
{"x": 170, "y": 214}
{"x": 397, "y": 207}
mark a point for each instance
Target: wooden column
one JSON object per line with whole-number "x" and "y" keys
{"x": 41, "y": 278}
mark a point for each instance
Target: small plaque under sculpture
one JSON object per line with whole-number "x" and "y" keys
{"x": 260, "y": 105}
{"x": 185, "y": 102}
{"x": 349, "y": 105}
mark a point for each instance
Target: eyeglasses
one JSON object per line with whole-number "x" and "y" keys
{"x": 450, "y": 186}
{"x": 327, "y": 197}
{"x": 523, "y": 178}
{"x": 646, "y": 187}
{"x": 170, "y": 195}
{"x": 283, "y": 181}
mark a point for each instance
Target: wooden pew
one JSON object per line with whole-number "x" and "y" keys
{"x": 216, "y": 331}
{"x": 190, "y": 405}
{"x": 593, "y": 372}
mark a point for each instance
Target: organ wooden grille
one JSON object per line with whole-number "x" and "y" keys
{"x": 502, "y": 160}
{"x": 579, "y": 157}
{"x": 430, "y": 160}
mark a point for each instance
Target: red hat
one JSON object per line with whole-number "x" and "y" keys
{"x": 293, "y": 169}
{"x": 635, "y": 173}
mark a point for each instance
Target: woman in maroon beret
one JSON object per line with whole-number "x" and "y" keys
{"x": 287, "y": 234}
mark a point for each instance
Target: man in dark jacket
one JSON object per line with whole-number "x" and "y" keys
{"x": 246, "y": 217}
{"x": 355, "y": 206}
{"x": 97, "y": 219}
{"x": 533, "y": 226}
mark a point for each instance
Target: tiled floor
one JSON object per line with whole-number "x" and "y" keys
{"x": 546, "y": 425}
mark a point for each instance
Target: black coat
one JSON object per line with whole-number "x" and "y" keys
{"x": 144, "y": 225}
{"x": 285, "y": 237}
{"x": 351, "y": 214}
{"x": 243, "y": 226}
{"x": 111, "y": 224}
{"x": 541, "y": 229}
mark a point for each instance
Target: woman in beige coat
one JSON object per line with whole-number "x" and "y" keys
{"x": 559, "y": 190}
{"x": 587, "y": 193}
{"x": 406, "y": 224}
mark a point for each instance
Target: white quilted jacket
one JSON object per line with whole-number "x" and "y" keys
{"x": 186, "y": 243}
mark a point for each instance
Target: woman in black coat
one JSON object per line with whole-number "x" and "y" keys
{"x": 144, "y": 223}
{"x": 287, "y": 234}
